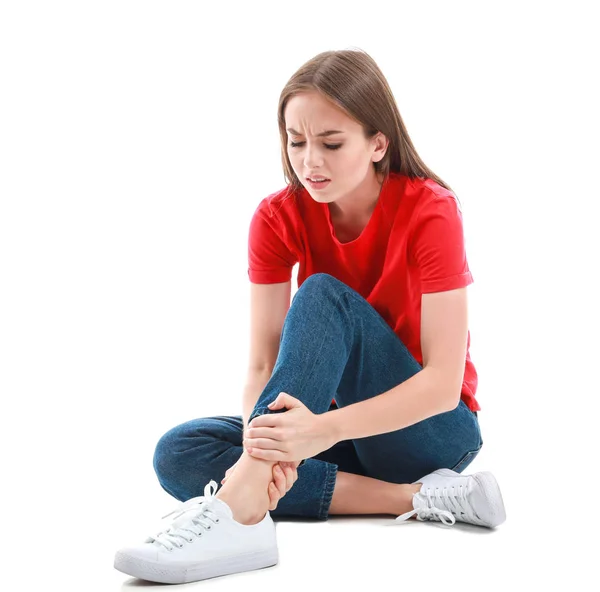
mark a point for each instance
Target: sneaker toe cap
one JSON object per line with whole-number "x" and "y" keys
{"x": 145, "y": 552}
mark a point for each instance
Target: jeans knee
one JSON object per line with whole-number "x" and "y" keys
{"x": 319, "y": 279}
{"x": 321, "y": 283}
{"x": 162, "y": 460}
{"x": 192, "y": 452}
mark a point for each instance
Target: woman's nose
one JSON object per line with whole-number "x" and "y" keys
{"x": 312, "y": 159}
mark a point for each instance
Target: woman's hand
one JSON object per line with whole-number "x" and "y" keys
{"x": 291, "y": 436}
{"x": 283, "y": 480}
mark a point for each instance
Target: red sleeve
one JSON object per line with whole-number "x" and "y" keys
{"x": 270, "y": 261}
{"x": 437, "y": 246}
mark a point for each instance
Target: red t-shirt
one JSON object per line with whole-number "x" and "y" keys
{"x": 413, "y": 244}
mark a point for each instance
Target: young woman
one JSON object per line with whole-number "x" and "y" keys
{"x": 365, "y": 379}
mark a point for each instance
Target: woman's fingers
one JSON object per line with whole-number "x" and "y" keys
{"x": 280, "y": 479}
{"x": 291, "y": 474}
{"x": 287, "y": 477}
{"x": 274, "y": 496}
{"x": 280, "y": 484}
{"x": 277, "y": 487}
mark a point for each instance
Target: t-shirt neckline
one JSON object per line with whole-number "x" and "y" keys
{"x": 369, "y": 224}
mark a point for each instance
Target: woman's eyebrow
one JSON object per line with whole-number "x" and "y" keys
{"x": 327, "y": 133}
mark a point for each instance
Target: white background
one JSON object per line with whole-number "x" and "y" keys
{"x": 136, "y": 141}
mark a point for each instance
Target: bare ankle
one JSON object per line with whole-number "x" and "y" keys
{"x": 252, "y": 471}
{"x": 245, "y": 492}
{"x": 405, "y": 497}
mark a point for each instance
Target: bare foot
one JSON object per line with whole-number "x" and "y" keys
{"x": 245, "y": 491}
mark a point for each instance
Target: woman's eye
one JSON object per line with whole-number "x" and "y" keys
{"x": 329, "y": 146}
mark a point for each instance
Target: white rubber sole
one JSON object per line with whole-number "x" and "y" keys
{"x": 198, "y": 570}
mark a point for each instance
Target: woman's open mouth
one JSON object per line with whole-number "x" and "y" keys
{"x": 319, "y": 184}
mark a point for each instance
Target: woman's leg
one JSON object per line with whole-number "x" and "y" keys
{"x": 195, "y": 452}
{"x": 188, "y": 456}
{"x": 355, "y": 492}
{"x": 335, "y": 344}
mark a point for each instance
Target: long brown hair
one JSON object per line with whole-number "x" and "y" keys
{"x": 352, "y": 80}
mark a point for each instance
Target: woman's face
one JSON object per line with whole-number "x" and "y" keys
{"x": 345, "y": 157}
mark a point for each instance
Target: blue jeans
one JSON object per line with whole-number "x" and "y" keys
{"x": 334, "y": 344}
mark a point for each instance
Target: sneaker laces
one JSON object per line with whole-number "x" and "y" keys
{"x": 191, "y": 516}
{"x": 440, "y": 504}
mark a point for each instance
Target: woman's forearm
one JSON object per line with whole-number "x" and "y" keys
{"x": 255, "y": 384}
{"x": 421, "y": 396}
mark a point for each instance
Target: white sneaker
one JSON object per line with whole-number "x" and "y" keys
{"x": 203, "y": 541}
{"x": 448, "y": 496}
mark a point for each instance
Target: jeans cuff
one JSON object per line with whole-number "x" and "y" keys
{"x": 330, "y": 477}
{"x": 260, "y": 411}
{"x": 263, "y": 410}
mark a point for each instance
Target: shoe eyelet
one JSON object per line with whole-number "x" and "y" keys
{"x": 190, "y": 540}
{"x": 209, "y": 527}
{"x": 217, "y": 520}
